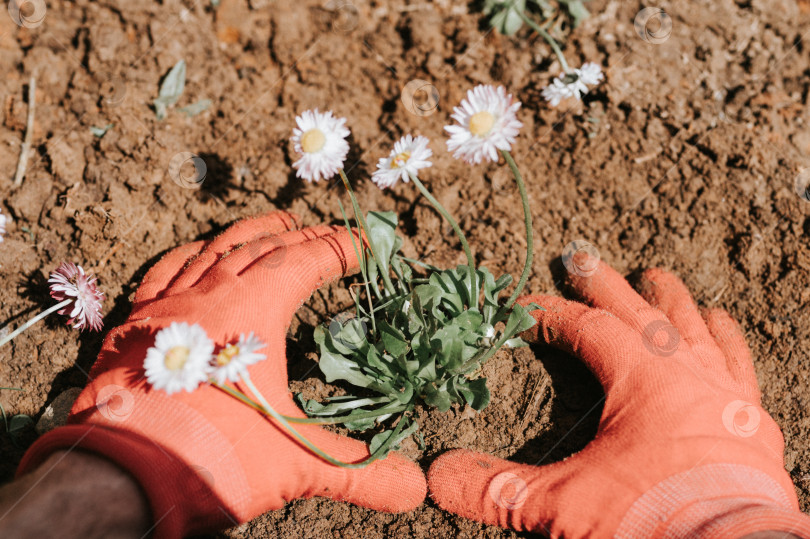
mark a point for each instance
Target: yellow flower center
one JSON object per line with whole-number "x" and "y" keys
{"x": 313, "y": 140}
{"x": 400, "y": 159}
{"x": 176, "y": 358}
{"x": 227, "y": 354}
{"x": 481, "y": 123}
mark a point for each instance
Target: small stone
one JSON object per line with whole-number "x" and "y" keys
{"x": 56, "y": 414}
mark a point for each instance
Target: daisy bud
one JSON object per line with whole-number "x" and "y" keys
{"x": 320, "y": 140}
{"x": 486, "y": 122}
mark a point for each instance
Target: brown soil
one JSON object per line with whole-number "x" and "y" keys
{"x": 685, "y": 158}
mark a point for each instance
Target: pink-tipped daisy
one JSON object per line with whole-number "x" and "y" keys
{"x": 573, "y": 84}
{"x": 70, "y": 283}
{"x": 180, "y": 359}
{"x": 320, "y": 139}
{"x": 408, "y": 156}
{"x": 234, "y": 359}
{"x": 487, "y": 122}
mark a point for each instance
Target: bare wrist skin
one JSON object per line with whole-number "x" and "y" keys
{"x": 74, "y": 494}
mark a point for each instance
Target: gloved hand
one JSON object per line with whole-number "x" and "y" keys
{"x": 204, "y": 459}
{"x": 683, "y": 448}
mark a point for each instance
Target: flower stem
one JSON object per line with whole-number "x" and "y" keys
{"x": 359, "y": 253}
{"x": 545, "y": 35}
{"x": 527, "y": 218}
{"x": 33, "y": 321}
{"x": 389, "y": 286}
{"x": 466, "y": 246}
{"x": 312, "y": 447}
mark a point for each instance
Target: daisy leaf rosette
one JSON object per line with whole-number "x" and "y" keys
{"x": 430, "y": 339}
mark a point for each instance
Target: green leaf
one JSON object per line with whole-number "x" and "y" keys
{"x": 394, "y": 340}
{"x": 101, "y": 131}
{"x": 453, "y": 286}
{"x": 519, "y": 320}
{"x": 405, "y": 394}
{"x": 383, "y": 437}
{"x": 475, "y": 392}
{"x": 349, "y": 335}
{"x": 335, "y": 366}
{"x": 448, "y": 343}
{"x": 171, "y": 89}
{"x": 438, "y": 397}
{"x": 18, "y": 426}
{"x": 195, "y": 108}
{"x": 342, "y": 405}
{"x": 492, "y": 290}
{"x": 382, "y": 234}
{"x": 505, "y": 15}
{"x": 577, "y": 10}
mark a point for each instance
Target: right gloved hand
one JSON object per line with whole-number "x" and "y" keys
{"x": 683, "y": 449}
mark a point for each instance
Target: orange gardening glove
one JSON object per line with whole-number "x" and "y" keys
{"x": 683, "y": 448}
{"x": 204, "y": 459}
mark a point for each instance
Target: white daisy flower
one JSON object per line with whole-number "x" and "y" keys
{"x": 573, "y": 84}
{"x": 234, "y": 359}
{"x": 3, "y": 219}
{"x": 408, "y": 156}
{"x": 180, "y": 358}
{"x": 591, "y": 73}
{"x": 487, "y": 122}
{"x": 320, "y": 139}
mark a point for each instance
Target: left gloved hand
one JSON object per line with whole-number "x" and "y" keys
{"x": 204, "y": 459}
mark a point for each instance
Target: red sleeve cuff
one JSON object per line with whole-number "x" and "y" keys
{"x": 168, "y": 481}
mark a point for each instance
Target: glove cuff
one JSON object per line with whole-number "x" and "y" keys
{"x": 714, "y": 500}
{"x": 167, "y": 480}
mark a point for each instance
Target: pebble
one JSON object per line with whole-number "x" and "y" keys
{"x": 55, "y": 415}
